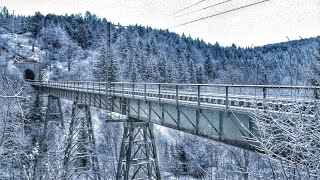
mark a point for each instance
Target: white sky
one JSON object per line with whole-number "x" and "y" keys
{"x": 264, "y": 23}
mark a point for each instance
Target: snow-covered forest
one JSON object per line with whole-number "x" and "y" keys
{"x": 73, "y": 47}
{"x": 143, "y": 54}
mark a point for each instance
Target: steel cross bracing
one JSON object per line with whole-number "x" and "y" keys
{"x": 51, "y": 146}
{"x": 80, "y": 158}
{"x": 217, "y": 111}
{"x": 138, "y": 155}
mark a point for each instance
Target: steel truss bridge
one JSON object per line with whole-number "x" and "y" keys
{"x": 219, "y": 112}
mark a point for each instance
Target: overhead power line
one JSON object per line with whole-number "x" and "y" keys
{"x": 188, "y": 7}
{"x": 217, "y": 4}
{"x": 207, "y": 17}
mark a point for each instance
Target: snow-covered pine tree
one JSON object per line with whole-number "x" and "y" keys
{"x": 162, "y": 68}
{"x": 133, "y": 68}
{"x": 315, "y": 67}
{"x": 208, "y": 68}
{"x": 106, "y": 65}
{"x": 191, "y": 68}
{"x": 199, "y": 75}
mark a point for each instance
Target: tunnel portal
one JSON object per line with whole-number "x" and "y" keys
{"x": 29, "y": 75}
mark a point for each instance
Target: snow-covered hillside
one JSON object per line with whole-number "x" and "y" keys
{"x": 73, "y": 47}
{"x": 22, "y": 47}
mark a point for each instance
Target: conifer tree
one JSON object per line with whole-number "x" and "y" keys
{"x": 191, "y": 68}
{"x": 315, "y": 67}
{"x": 162, "y": 70}
{"x": 106, "y": 66}
{"x": 208, "y": 68}
{"x": 199, "y": 75}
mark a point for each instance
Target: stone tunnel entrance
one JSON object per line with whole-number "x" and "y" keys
{"x": 29, "y": 74}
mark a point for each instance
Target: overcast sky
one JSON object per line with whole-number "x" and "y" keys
{"x": 264, "y": 23}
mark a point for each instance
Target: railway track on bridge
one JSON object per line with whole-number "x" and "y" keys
{"x": 220, "y": 112}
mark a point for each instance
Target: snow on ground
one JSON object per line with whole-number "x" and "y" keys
{"x": 169, "y": 176}
{"x": 22, "y": 44}
{"x": 166, "y": 133}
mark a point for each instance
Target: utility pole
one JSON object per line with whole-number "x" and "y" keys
{"x": 257, "y": 64}
{"x": 108, "y": 75}
{"x": 109, "y": 52}
{"x": 296, "y": 63}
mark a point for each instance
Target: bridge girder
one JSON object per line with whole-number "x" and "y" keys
{"x": 204, "y": 117}
{"x": 195, "y": 109}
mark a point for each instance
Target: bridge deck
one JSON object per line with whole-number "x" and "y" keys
{"x": 219, "y": 112}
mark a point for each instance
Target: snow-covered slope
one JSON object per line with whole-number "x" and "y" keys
{"x": 21, "y": 47}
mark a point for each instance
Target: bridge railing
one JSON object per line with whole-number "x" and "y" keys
{"x": 222, "y": 94}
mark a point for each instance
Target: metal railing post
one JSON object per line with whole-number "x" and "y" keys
{"x": 316, "y": 93}
{"x": 159, "y": 91}
{"x": 133, "y": 91}
{"x": 198, "y": 95}
{"x": 177, "y": 93}
{"x": 178, "y": 109}
{"x": 264, "y": 91}
{"x": 227, "y": 98}
{"x": 123, "y": 104}
{"x": 74, "y": 88}
{"x": 198, "y": 110}
{"x": 114, "y": 89}
{"x": 145, "y": 92}
{"x": 122, "y": 90}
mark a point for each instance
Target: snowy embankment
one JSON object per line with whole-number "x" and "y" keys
{"x": 22, "y": 47}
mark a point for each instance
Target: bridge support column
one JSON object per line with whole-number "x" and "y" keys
{"x": 50, "y": 144}
{"x": 80, "y": 158}
{"x": 138, "y": 155}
